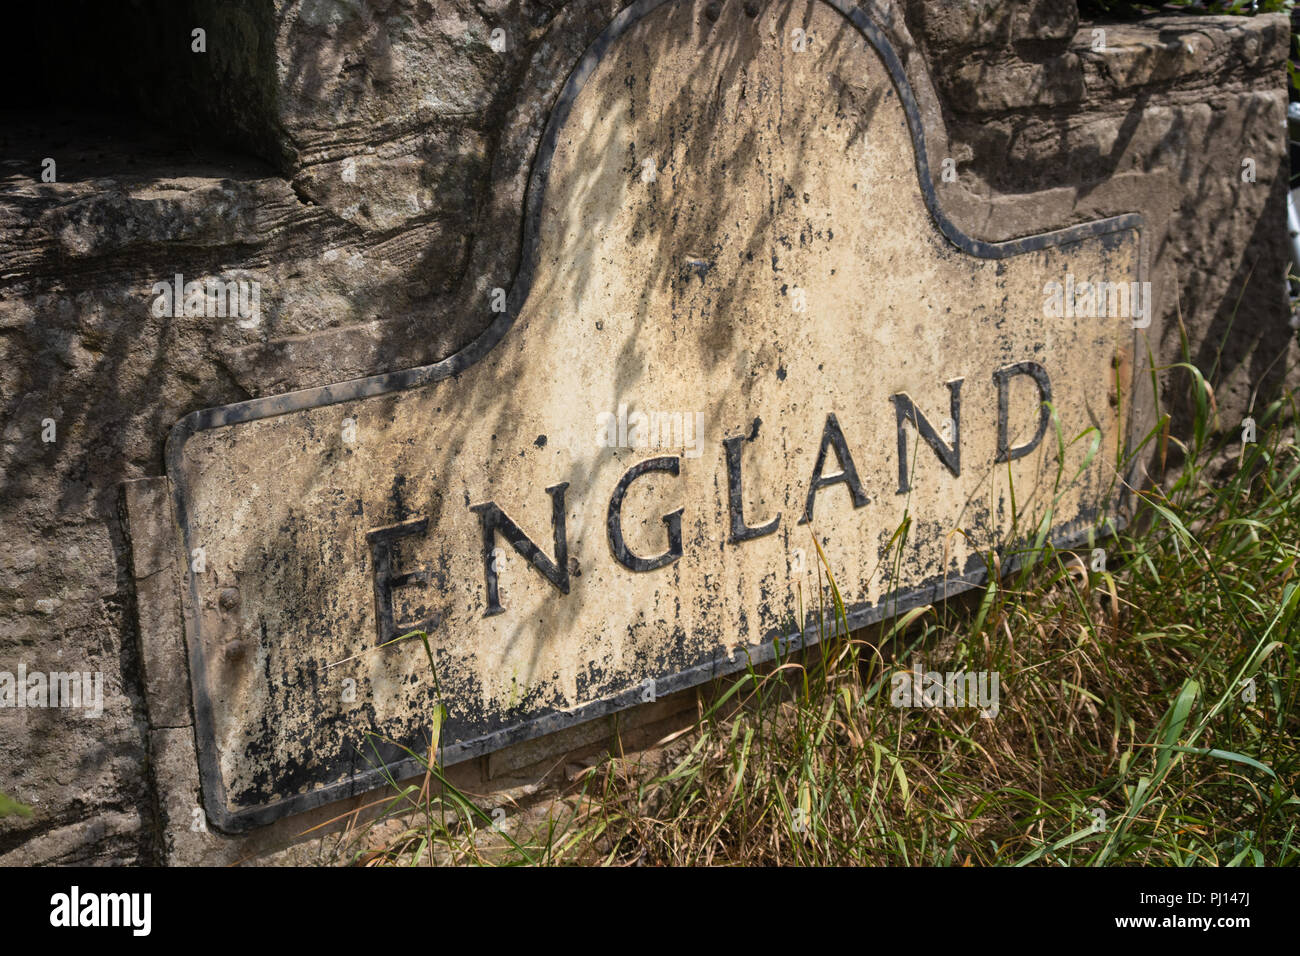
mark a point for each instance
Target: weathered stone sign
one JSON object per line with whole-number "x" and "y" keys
{"x": 741, "y": 319}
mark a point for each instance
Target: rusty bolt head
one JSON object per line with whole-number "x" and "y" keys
{"x": 228, "y": 600}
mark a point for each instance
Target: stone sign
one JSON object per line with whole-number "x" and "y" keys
{"x": 741, "y": 321}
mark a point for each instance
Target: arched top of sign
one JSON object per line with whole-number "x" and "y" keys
{"x": 874, "y": 35}
{"x": 523, "y": 281}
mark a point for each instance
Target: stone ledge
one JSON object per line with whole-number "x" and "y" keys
{"x": 1164, "y": 50}
{"x": 532, "y": 757}
{"x": 953, "y": 28}
{"x": 1168, "y": 49}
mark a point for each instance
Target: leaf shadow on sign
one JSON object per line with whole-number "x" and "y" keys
{"x": 681, "y": 244}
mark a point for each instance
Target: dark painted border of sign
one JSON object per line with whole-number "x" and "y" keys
{"x": 214, "y": 794}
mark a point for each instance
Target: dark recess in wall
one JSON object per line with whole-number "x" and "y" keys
{"x": 119, "y": 81}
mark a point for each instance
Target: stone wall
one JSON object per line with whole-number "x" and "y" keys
{"x": 365, "y": 161}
